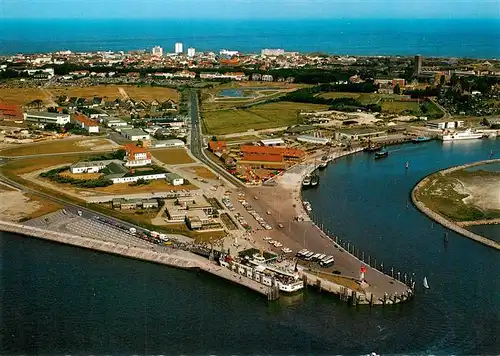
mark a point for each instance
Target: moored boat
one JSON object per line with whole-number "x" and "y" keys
{"x": 381, "y": 154}
{"x": 307, "y": 181}
{"x": 314, "y": 180}
{"x": 421, "y": 139}
{"x": 372, "y": 148}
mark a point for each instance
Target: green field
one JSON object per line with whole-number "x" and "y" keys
{"x": 272, "y": 115}
{"x": 363, "y": 98}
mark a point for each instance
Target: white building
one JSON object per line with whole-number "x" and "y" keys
{"x": 191, "y": 52}
{"x": 272, "y": 142}
{"x": 116, "y": 123}
{"x": 47, "y": 118}
{"x": 174, "y": 179}
{"x": 89, "y": 167}
{"x": 168, "y": 143}
{"x": 178, "y": 48}
{"x": 136, "y": 178}
{"x": 313, "y": 140}
{"x": 225, "y": 52}
{"x": 135, "y": 134}
{"x": 272, "y": 52}
{"x": 445, "y": 124}
{"x": 157, "y": 51}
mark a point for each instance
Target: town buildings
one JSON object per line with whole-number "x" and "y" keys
{"x": 272, "y": 52}
{"x": 10, "y": 112}
{"x": 135, "y": 134}
{"x": 191, "y": 52}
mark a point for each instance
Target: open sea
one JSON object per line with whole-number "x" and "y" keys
{"x": 478, "y": 38}
{"x": 59, "y": 299}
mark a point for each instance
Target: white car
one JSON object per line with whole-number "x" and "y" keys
{"x": 272, "y": 242}
{"x": 268, "y": 227}
{"x": 266, "y": 238}
{"x": 286, "y": 250}
{"x": 278, "y": 244}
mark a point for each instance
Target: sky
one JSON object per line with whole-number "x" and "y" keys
{"x": 248, "y": 9}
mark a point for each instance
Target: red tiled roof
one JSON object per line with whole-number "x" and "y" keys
{"x": 85, "y": 120}
{"x": 217, "y": 145}
{"x": 133, "y": 149}
{"x": 283, "y": 151}
{"x": 262, "y": 157}
{"x": 13, "y": 111}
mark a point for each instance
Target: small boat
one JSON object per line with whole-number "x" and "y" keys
{"x": 314, "y": 180}
{"x": 407, "y": 165}
{"x": 323, "y": 163}
{"x": 420, "y": 139}
{"x": 381, "y": 154}
{"x": 307, "y": 181}
{"x": 426, "y": 285}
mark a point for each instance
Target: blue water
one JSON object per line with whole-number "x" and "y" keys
{"x": 232, "y": 93}
{"x": 63, "y": 300}
{"x": 446, "y": 38}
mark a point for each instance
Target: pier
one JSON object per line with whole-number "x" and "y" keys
{"x": 171, "y": 257}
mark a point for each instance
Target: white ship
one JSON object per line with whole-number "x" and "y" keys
{"x": 463, "y": 135}
{"x": 265, "y": 274}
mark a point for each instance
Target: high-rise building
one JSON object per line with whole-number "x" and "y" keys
{"x": 157, "y": 51}
{"x": 418, "y": 65}
{"x": 178, "y": 47}
{"x": 191, "y": 52}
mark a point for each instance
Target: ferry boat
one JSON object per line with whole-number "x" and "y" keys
{"x": 421, "y": 139}
{"x": 307, "y": 181}
{"x": 265, "y": 274}
{"x": 381, "y": 154}
{"x": 468, "y": 134}
{"x": 314, "y": 180}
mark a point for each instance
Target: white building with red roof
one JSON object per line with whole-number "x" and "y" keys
{"x": 136, "y": 156}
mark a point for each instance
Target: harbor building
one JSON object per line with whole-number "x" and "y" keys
{"x": 136, "y": 156}
{"x": 443, "y": 125}
{"x": 42, "y": 118}
{"x": 178, "y": 49}
{"x": 358, "y": 134}
{"x": 312, "y": 139}
{"x": 272, "y": 142}
{"x": 135, "y": 134}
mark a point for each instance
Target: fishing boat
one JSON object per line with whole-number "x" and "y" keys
{"x": 323, "y": 163}
{"x": 307, "y": 181}
{"x": 426, "y": 285}
{"x": 421, "y": 139}
{"x": 314, "y": 180}
{"x": 381, "y": 154}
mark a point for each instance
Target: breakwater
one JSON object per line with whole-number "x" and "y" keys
{"x": 174, "y": 258}
{"x": 442, "y": 220}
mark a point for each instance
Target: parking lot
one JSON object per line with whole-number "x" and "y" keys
{"x": 67, "y": 222}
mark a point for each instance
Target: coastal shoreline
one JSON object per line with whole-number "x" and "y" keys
{"x": 456, "y": 227}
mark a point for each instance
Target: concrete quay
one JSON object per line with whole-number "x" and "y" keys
{"x": 173, "y": 258}
{"x": 442, "y": 220}
{"x": 284, "y": 202}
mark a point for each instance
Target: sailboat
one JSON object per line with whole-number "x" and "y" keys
{"x": 426, "y": 285}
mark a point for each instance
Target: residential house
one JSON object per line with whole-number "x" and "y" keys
{"x": 217, "y": 146}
